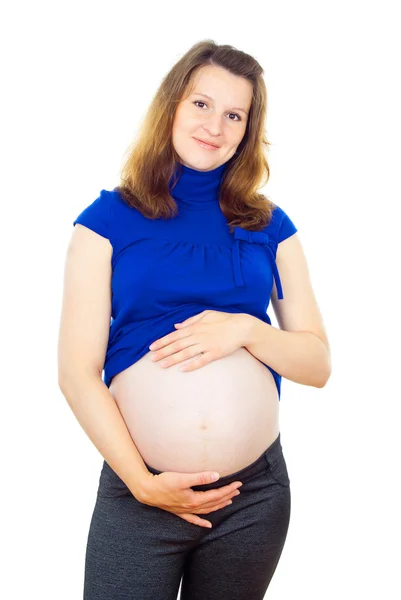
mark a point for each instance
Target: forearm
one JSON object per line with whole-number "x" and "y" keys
{"x": 99, "y": 416}
{"x": 296, "y": 355}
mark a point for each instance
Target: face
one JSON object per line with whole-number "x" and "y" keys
{"x": 220, "y": 119}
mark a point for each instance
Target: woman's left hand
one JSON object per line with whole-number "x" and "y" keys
{"x": 212, "y": 334}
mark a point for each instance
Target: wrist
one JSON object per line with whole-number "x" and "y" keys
{"x": 142, "y": 488}
{"x": 246, "y": 324}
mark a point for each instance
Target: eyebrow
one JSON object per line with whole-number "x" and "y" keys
{"x": 210, "y": 98}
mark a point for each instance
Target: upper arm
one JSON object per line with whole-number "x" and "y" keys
{"x": 298, "y": 310}
{"x": 86, "y": 304}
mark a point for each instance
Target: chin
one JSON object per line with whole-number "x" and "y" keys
{"x": 200, "y": 163}
{"x": 203, "y": 166}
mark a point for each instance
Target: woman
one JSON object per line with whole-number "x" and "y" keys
{"x": 184, "y": 257}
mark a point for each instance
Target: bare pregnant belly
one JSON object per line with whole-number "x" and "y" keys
{"x": 220, "y": 417}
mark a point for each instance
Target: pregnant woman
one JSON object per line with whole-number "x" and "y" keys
{"x": 168, "y": 278}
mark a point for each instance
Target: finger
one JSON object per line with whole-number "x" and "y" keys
{"x": 195, "y": 520}
{"x": 172, "y": 340}
{"x": 178, "y": 357}
{"x": 208, "y": 509}
{"x": 174, "y": 355}
{"x": 211, "y": 497}
{"x": 196, "y": 363}
{"x": 227, "y": 498}
{"x": 188, "y": 480}
{"x": 191, "y": 320}
{"x": 233, "y": 490}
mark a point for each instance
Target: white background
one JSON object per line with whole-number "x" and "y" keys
{"x": 78, "y": 77}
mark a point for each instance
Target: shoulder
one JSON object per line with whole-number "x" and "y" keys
{"x": 281, "y": 226}
{"x": 98, "y": 214}
{"x": 104, "y": 214}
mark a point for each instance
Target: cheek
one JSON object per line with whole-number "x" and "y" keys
{"x": 233, "y": 139}
{"x": 179, "y": 118}
{"x": 239, "y": 136}
{"x": 185, "y": 125}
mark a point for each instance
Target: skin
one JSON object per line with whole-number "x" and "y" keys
{"x": 220, "y": 121}
{"x": 214, "y": 333}
{"x": 216, "y": 121}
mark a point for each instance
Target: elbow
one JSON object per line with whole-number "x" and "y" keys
{"x": 322, "y": 383}
{"x": 322, "y": 371}
{"x": 324, "y": 376}
{"x": 64, "y": 385}
{"x": 62, "y": 380}
{"x": 65, "y": 377}
{"x": 76, "y": 378}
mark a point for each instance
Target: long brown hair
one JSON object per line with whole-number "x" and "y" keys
{"x": 152, "y": 159}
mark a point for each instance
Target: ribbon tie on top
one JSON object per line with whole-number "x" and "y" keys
{"x": 253, "y": 237}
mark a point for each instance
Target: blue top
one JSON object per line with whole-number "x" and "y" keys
{"x": 167, "y": 270}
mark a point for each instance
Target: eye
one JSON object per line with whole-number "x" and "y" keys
{"x": 201, "y": 102}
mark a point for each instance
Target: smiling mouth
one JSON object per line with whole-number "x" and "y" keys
{"x": 206, "y": 144}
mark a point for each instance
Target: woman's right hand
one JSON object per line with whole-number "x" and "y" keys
{"x": 171, "y": 492}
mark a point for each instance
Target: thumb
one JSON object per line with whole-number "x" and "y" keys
{"x": 202, "y": 478}
{"x": 191, "y": 320}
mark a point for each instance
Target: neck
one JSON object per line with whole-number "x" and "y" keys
{"x": 198, "y": 189}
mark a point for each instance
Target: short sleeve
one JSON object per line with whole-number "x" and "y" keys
{"x": 287, "y": 227}
{"x": 97, "y": 216}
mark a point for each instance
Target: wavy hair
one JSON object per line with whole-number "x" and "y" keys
{"x": 152, "y": 159}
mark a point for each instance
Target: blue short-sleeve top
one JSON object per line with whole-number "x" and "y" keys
{"x": 167, "y": 270}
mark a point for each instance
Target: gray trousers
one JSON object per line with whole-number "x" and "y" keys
{"x": 141, "y": 552}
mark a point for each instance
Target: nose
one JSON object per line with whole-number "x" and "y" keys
{"x": 213, "y": 125}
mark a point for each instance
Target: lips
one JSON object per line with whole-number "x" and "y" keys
{"x": 208, "y": 143}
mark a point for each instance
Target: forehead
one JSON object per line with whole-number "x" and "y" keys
{"x": 222, "y": 85}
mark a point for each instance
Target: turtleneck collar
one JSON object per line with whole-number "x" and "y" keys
{"x": 197, "y": 189}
